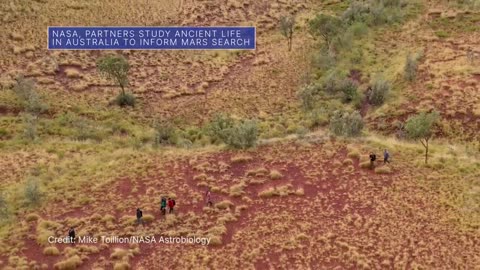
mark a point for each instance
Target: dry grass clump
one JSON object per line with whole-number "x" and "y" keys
{"x": 237, "y": 190}
{"x": 281, "y": 191}
{"x": 51, "y": 251}
{"x": 122, "y": 266}
{"x": 383, "y": 170}
{"x": 45, "y": 229}
{"x": 275, "y": 174}
{"x": 32, "y": 217}
{"x": 200, "y": 177}
{"x": 108, "y": 218}
{"x": 241, "y": 159}
{"x": 257, "y": 172}
{"x": 365, "y": 164}
{"x": 354, "y": 154}
{"x": 224, "y": 204}
{"x": 148, "y": 218}
{"x": 72, "y": 73}
{"x": 121, "y": 254}
{"x": 347, "y": 162}
{"x": 69, "y": 264}
{"x": 215, "y": 240}
{"x": 89, "y": 249}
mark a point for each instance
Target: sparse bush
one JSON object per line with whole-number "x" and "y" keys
{"x": 349, "y": 90}
{"x": 410, "y": 69}
{"x": 375, "y": 12}
{"x": 243, "y": 135}
{"x": 165, "y": 133}
{"x": 346, "y": 124}
{"x": 324, "y": 60}
{"x": 333, "y": 81}
{"x": 25, "y": 91}
{"x": 359, "y": 29}
{"x": 379, "y": 92}
{"x": 125, "y": 99}
{"x": 84, "y": 131}
{"x": 356, "y": 12}
{"x": 30, "y": 129}
{"x": 219, "y": 127}
{"x": 308, "y": 97}
{"x": 3, "y": 207}
{"x": 32, "y": 192}
{"x": 317, "y": 118}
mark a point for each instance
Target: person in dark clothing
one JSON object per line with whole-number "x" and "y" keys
{"x": 373, "y": 157}
{"x": 163, "y": 205}
{"x": 139, "y": 216}
{"x": 171, "y": 204}
{"x": 71, "y": 235}
{"x": 386, "y": 157}
{"x": 209, "y": 197}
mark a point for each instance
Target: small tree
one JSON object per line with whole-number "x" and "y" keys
{"x": 420, "y": 128}
{"x": 287, "y": 24}
{"x": 116, "y": 68}
{"x": 325, "y": 26}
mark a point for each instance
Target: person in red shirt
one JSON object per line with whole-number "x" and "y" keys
{"x": 171, "y": 204}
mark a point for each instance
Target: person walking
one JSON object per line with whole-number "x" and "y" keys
{"x": 71, "y": 235}
{"x": 139, "y": 216}
{"x": 171, "y": 204}
{"x": 386, "y": 156}
{"x": 209, "y": 197}
{"x": 163, "y": 205}
{"x": 373, "y": 157}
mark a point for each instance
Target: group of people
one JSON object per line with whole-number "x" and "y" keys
{"x": 164, "y": 203}
{"x": 373, "y": 158}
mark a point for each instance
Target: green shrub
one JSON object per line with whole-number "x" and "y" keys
{"x": 349, "y": 90}
{"x": 308, "y": 96}
{"x": 375, "y": 12}
{"x": 3, "y": 207}
{"x": 410, "y": 69}
{"x": 218, "y": 128}
{"x": 358, "y": 29}
{"x": 379, "y": 91}
{"x": 32, "y": 192}
{"x": 346, "y": 124}
{"x": 324, "y": 60}
{"x": 331, "y": 81}
{"x": 30, "y": 129}
{"x": 85, "y": 131}
{"x": 25, "y": 91}
{"x": 165, "y": 134}
{"x": 125, "y": 99}
{"x": 243, "y": 135}
{"x": 317, "y": 118}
